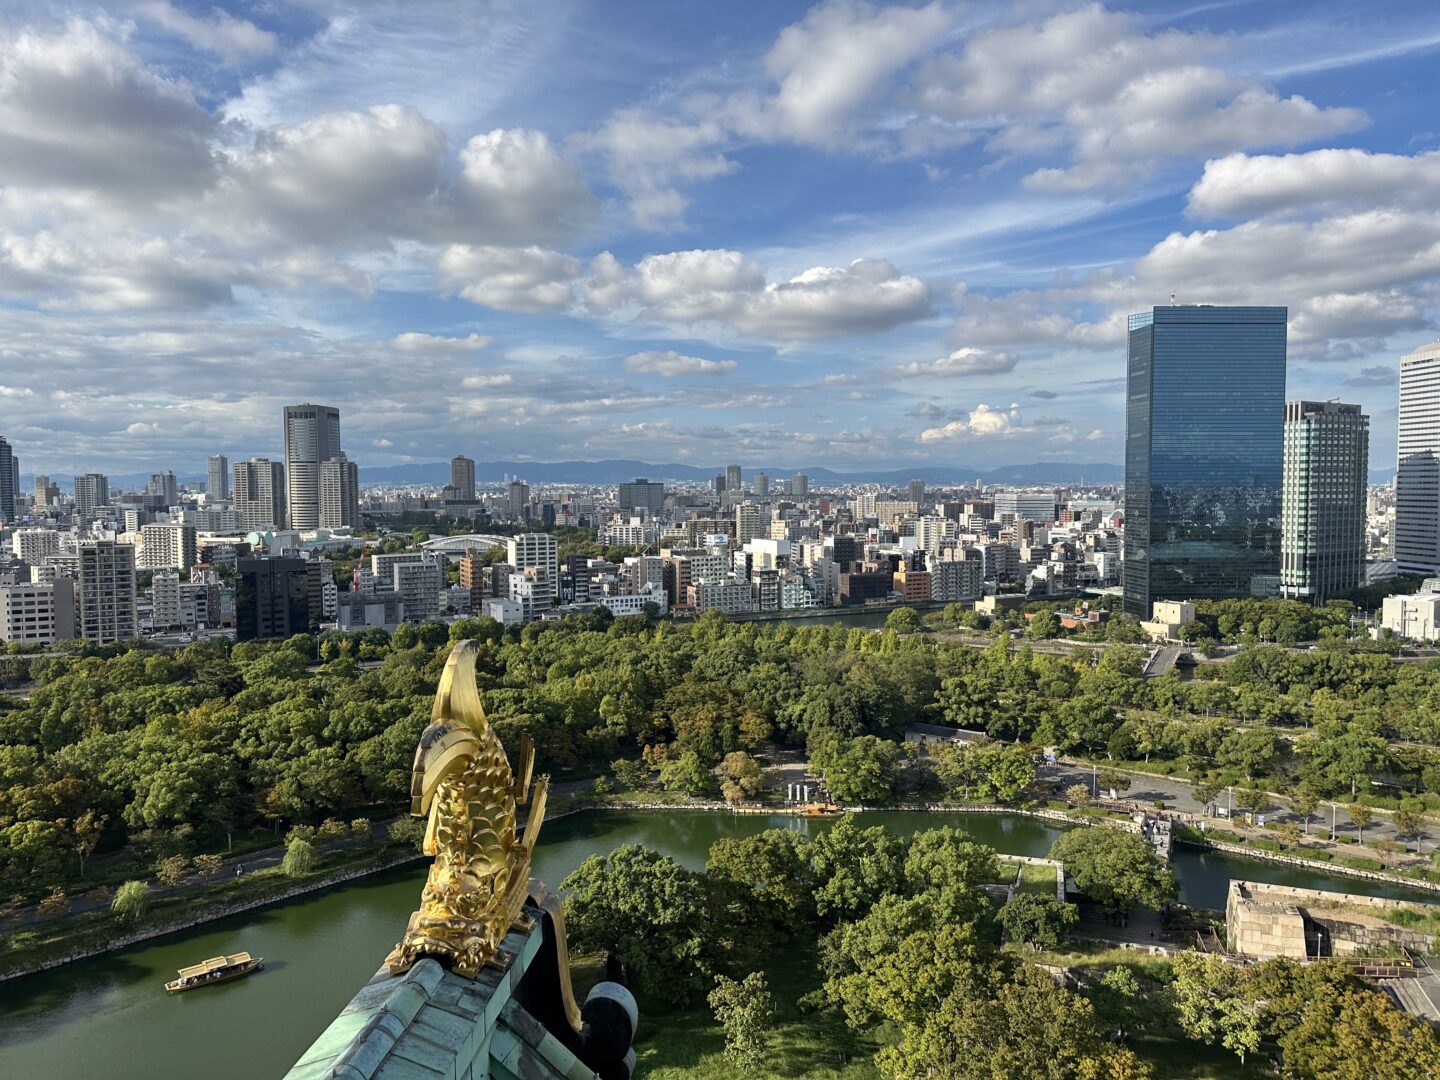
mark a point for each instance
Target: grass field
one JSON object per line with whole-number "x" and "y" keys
{"x": 1039, "y": 880}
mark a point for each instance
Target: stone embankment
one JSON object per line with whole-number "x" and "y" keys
{"x": 203, "y": 914}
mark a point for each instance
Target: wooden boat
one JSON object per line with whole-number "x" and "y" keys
{"x": 823, "y": 810}
{"x": 217, "y": 969}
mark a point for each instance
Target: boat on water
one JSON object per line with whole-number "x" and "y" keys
{"x": 217, "y": 969}
{"x": 822, "y": 809}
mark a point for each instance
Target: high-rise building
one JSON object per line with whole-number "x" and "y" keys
{"x": 92, "y": 491}
{"x": 1204, "y": 420}
{"x": 339, "y": 494}
{"x": 733, "y": 480}
{"x": 1025, "y": 506}
{"x": 762, "y": 484}
{"x": 642, "y": 495}
{"x": 217, "y": 483}
{"x": 312, "y": 437}
{"x": 162, "y": 486}
{"x": 167, "y": 547}
{"x": 34, "y": 546}
{"x": 1417, "y": 468}
{"x": 750, "y": 523}
{"x": 105, "y": 599}
{"x": 534, "y": 549}
{"x": 517, "y": 501}
{"x": 260, "y": 493}
{"x": 38, "y": 613}
{"x": 462, "y": 477}
{"x": 916, "y": 492}
{"x": 272, "y": 598}
{"x": 45, "y": 493}
{"x": 800, "y": 486}
{"x": 1322, "y": 523}
{"x": 9, "y": 482}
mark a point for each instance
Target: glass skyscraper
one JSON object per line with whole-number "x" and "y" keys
{"x": 1204, "y": 429}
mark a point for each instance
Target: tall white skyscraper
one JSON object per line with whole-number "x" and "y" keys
{"x": 260, "y": 493}
{"x": 1417, "y": 469}
{"x": 339, "y": 493}
{"x": 217, "y": 484}
{"x": 312, "y": 437}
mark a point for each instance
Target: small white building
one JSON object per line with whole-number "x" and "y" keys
{"x": 505, "y": 612}
{"x": 1166, "y": 618}
{"x": 1416, "y": 616}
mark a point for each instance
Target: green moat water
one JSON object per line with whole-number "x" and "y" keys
{"x": 110, "y": 1019}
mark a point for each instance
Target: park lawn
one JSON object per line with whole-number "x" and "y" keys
{"x": 689, "y": 1044}
{"x": 1039, "y": 880}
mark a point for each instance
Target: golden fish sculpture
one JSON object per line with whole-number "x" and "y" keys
{"x": 481, "y": 873}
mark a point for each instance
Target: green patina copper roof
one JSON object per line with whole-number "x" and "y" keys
{"x": 431, "y": 1024}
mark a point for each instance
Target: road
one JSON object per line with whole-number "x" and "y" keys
{"x": 1176, "y": 793}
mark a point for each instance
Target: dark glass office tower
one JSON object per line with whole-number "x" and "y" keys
{"x": 1204, "y": 430}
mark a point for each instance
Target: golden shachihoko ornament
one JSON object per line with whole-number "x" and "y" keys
{"x": 462, "y": 781}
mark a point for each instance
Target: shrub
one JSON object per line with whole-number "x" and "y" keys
{"x": 299, "y": 857}
{"x": 360, "y": 829}
{"x": 57, "y": 903}
{"x": 132, "y": 901}
{"x": 407, "y": 830}
{"x": 208, "y": 865}
{"x": 331, "y": 829}
{"x": 170, "y": 872}
{"x": 1359, "y": 864}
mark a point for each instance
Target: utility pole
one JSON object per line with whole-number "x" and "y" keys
{"x": 1334, "y": 811}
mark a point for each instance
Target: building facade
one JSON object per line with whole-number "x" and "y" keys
{"x": 642, "y": 495}
{"x": 1417, "y": 466}
{"x": 38, "y": 613}
{"x": 462, "y": 477}
{"x": 339, "y": 493}
{"x": 272, "y": 598}
{"x": 9, "y": 482}
{"x": 260, "y": 493}
{"x": 312, "y": 437}
{"x": 1322, "y": 524}
{"x": 105, "y": 593}
{"x": 92, "y": 491}
{"x": 167, "y": 547}
{"x": 1205, "y": 403}
{"x": 217, "y": 480}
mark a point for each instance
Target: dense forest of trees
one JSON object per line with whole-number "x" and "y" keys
{"x": 183, "y": 750}
{"x": 908, "y": 952}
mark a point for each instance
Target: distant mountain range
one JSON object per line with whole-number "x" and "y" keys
{"x": 619, "y": 470}
{"x": 616, "y": 471}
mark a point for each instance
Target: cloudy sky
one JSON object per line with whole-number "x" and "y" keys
{"x": 766, "y": 232}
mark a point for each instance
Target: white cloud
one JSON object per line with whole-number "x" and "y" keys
{"x": 669, "y": 364}
{"x": 832, "y": 62}
{"x": 79, "y": 112}
{"x": 1121, "y": 99}
{"x": 417, "y": 341}
{"x": 487, "y": 382}
{"x": 528, "y": 279}
{"x": 982, "y": 422}
{"x": 1240, "y": 185}
{"x": 515, "y": 188}
{"x": 966, "y": 361}
{"x": 688, "y": 288}
{"x": 221, "y": 33}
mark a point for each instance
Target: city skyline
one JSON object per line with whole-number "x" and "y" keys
{"x": 638, "y": 234}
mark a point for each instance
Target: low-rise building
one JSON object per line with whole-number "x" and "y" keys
{"x": 38, "y": 614}
{"x": 1416, "y": 616}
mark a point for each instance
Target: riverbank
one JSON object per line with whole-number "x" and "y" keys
{"x": 96, "y": 933}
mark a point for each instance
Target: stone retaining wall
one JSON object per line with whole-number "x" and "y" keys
{"x": 209, "y": 914}
{"x": 1311, "y": 864}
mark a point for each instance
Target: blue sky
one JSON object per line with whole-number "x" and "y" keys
{"x": 840, "y": 234}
